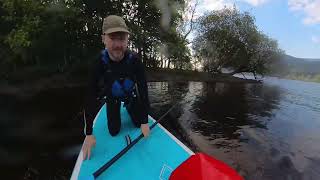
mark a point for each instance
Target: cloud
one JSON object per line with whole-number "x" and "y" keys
{"x": 209, "y": 5}
{"x": 310, "y": 8}
{"x": 203, "y": 6}
{"x": 315, "y": 39}
{"x": 255, "y": 2}
{"x": 217, "y": 4}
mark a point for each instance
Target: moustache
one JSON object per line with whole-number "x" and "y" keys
{"x": 117, "y": 49}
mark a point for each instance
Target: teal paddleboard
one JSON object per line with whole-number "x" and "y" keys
{"x": 154, "y": 157}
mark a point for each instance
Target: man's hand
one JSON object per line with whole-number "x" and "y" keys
{"x": 89, "y": 143}
{"x": 145, "y": 129}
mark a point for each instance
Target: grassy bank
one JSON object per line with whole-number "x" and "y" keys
{"x": 299, "y": 77}
{"x": 302, "y": 77}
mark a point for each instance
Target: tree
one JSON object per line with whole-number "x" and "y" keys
{"x": 45, "y": 33}
{"x": 188, "y": 20}
{"x": 20, "y": 25}
{"x": 230, "y": 39}
{"x": 60, "y": 35}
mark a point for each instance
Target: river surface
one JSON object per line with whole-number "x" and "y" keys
{"x": 264, "y": 131}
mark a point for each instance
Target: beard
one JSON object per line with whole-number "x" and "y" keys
{"x": 117, "y": 54}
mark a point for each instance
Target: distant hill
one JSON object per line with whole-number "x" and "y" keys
{"x": 292, "y": 65}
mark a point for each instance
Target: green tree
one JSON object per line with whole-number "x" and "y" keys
{"x": 59, "y": 35}
{"x": 230, "y": 39}
{"x": 20, "y": 25}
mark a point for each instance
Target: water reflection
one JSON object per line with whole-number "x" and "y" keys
{"x": 164, "y": 95}
{"x": 265, "y": 131}
{"x": 259, "y": 129}
{"x": 221, "y": 109}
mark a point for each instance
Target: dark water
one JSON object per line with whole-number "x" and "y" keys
{"x": 40, "y": 134}
{"x": 264, "y": 131}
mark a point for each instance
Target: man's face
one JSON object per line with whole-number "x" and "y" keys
{"x": 116, "y": 43}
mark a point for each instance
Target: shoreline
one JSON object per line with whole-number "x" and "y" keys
{"x": 29, "y": 88}
{"x": 155, "y": 75}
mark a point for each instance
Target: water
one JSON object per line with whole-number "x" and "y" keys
{"x": 40, "y": 135}
{"x": 264, "y": 131}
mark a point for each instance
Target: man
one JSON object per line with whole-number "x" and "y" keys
{"x": 123, "y": 77}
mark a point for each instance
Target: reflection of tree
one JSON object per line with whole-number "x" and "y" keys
{"x": 177, "y": 90}
{"x": 165, "y": 94}
{"x": 262, "y": 99}
{"x": 223, "y": 107}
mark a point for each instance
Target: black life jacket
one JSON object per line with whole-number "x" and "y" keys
{"x": 121, "y": 88}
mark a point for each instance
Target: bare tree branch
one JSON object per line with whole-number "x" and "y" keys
{"x": 193, "y": 10}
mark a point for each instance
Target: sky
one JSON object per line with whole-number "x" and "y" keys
{"x": 295, "y": 24}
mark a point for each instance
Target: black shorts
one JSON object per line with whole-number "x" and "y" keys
{"x": 135, "y": 109}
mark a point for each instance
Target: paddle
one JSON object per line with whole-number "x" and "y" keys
{"x": 123, "y": 151}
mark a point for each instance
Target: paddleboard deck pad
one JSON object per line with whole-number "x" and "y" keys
{"x": 154, "y": 157}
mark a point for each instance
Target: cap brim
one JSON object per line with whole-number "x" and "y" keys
{"x": 118, "y": 29}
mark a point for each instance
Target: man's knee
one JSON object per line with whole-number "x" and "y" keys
{"x": 114, "y": 125}
{"x": 136, "y": 123}
{"x": 114, "y": 131}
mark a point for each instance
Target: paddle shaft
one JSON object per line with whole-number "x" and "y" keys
{"x": 123, "y": 151}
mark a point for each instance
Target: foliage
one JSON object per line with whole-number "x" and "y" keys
{"x": 67, "y": 34}
{"x": 230, "y": 39}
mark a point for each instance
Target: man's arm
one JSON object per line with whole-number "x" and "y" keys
{"x": 142, "y": 86}
{"x": 92, "y": 103}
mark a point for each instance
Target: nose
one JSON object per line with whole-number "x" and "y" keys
{"x": 117, "y": 43}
